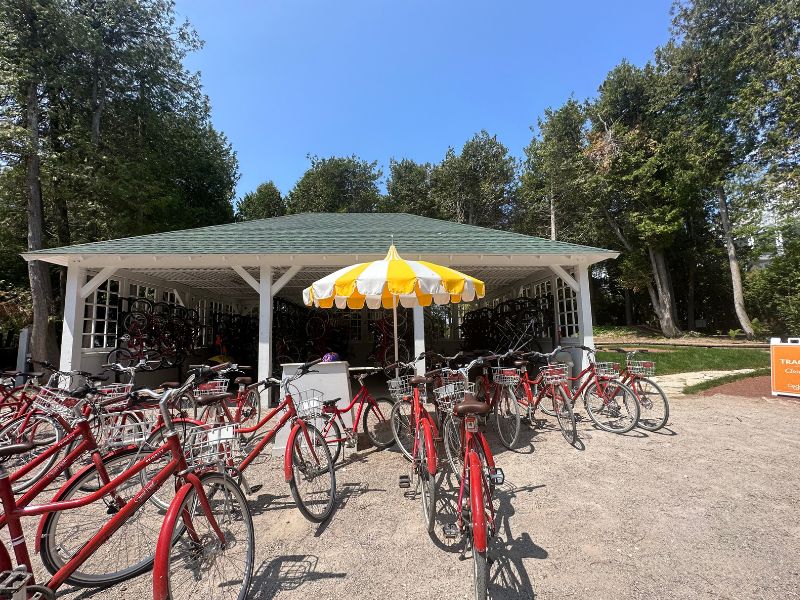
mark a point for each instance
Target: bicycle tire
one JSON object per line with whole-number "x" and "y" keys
{"x": 376, "y": 423}
{"x": 565, "y": 417}
{"x": 607, "y": 412}
{"x": 506, "y": 415}
{"x": 250, "y": 411}
{"x": 451, "y": 434}
{"x": 650, "y": 397}
{"x": 204, "y": 567}
{"x": 42, "y": 429}
{"x": 402, "y": 429}
{"x": 123, "y": 356}
{"x": 480, "y": 566}
{"x": 319, "y": 505}
{"x": 427, "y": 481}
{"x": 81, "y": 524}
{"x": 478, "y": 522}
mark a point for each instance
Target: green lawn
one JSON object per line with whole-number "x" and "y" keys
{"x": 712, "y": 383}
{"x": 685, "y": 360}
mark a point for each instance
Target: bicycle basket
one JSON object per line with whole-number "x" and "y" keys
{"x": 452, "y": 393}
{"x": 53, "y": 401}
{"x": 210, "y": 447}
{"x": 115, "y": 390}
{"x": 505, "y": 376}
{"x": 213, "y": 387}
{"x": 400, "y": 387}
{"x": 555, "y": 373}
{"x": 645, "y": 368}
{"x": 308, "y": 403}
{"x": 607, "y": 369}
{"x": 122, "y": 429}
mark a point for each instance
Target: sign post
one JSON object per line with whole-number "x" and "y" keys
{"x": 785, "y": 367}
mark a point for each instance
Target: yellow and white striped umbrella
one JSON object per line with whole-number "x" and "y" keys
{"x": 391, "y": 280}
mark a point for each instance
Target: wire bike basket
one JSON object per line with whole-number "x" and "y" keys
{"x": 211, "y": 447}
{"x": 52, "y": 402}
{"x": 400, "y": 387}
{"x": 555, "y": 373}
{"x": 506, "y": 376}
{"x": 607, "y": 369}
{"x": 308, "y": 403}
{"x": 213, "y": 387}
{"x": 122, "y": 429}
{"x": 643, "y": 368}
{"x": 452, "y": 393}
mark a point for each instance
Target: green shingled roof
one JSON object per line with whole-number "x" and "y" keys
{"x": 332, "y": 233}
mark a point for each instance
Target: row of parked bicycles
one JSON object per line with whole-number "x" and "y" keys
{"x": 158, "y": 479}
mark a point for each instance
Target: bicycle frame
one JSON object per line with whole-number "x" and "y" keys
{"x": 362, "y": 397}
{"x": 14, "y": 512}
{"x": 430, "y": 432}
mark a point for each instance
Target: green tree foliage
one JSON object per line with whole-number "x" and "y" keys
{"x": 336, "y": 184}
{"x": 408, "y": 189}
{"x": 104, "y": 132}
{"x": 477, "y": 186}
{"x": 264, "y": 203}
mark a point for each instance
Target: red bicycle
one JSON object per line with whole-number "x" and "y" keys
{"x": 376, "y": 423}
{"x": 653, "y": 402}
{"x": 415, "y": 433}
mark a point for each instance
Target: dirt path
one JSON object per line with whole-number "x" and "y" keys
{"x": 707, "y": 509}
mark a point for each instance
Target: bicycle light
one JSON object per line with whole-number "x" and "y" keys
{"x": 471, "y": 424}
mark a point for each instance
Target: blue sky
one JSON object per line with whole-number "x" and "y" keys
{"x": 402, "y": 79}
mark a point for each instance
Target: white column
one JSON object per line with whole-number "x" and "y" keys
{"x": 586, "y": 334}
{"x": 71, "y": 336}
{"x": 419, "y": 337}
{"x": 265, "y": 327}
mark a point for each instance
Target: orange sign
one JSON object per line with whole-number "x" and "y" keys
{"x": 785, "y": 366}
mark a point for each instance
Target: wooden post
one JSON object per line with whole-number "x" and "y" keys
{"x": 72, "y": 334}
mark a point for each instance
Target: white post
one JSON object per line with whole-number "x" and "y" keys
{"x": 419, "y": 337}
{"x": 71, "y": 336}
{"x": 265, "y": 327}
{"x": 586, "y": 334}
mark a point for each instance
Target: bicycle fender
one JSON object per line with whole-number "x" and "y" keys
{"x": 287, "y": 454}
{"x": 161, "y": 563}
{"x": 60, "y": 493}
{"x": 430, "y": 447}
{"x": 477, "y": 507}
{"x": 486, "y": 451}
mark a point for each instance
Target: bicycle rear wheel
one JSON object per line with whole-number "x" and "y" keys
{"x": 427, "y": 481}
{"x": 612, "y": 406}
{"x": 377, "y": 424}
{"x": 653, "y": 403}
{"x": 562, "y": 407}
{"x": 127, "y": 553}
{"x": 191, "y": 560}
{"x": 42, "y": 430}
{"x": 506, "y": 415}
{"x": 452, "y": 445}
{"x": 313, "y": 482}
{"x": 479, "y": 526}
{"x": 403, "y": 427}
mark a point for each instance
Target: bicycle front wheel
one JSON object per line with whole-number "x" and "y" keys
{"x": 612, "y": 406}
{"x": 191, "y": 559}
{"x": 562, "y": 407}
{"x": 42, "y": 430}
{"x": 313, "y": 482}
{"x": 506, "y": 417}
{"x": 452, "y": 445}
{"x": 377, "y": 424}
{"x": 426, "y": 481}
{"x": 653, "y": 403}
{"x": 403, "y": 427}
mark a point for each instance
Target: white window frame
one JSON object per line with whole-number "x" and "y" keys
{"x": 105, "y": 328}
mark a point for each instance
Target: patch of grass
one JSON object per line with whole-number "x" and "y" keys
{"x": 712, "y": 383}
{"x": 612, "y": 331}
{"x": 691, "y": 360}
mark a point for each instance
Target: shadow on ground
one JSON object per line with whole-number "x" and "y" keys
{"x": 286, "y": 573}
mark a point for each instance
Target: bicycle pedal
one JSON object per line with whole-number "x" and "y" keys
{"x": 255, "y": 488}
{"x": 450, "y": 531}
{"x": 496, "y": 475}
{"x": 405, "y": 481}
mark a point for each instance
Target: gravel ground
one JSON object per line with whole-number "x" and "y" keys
{"x": 707, "y": 508}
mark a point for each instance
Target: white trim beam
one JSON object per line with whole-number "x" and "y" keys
{"x": 178, "y": 297}
{"x": 284, "y": 279}
{"x": 265, "y": 329}
{"x": 568, "y": 279}
{"x": 585, "y": 324}
{"x": 249, "y": 279}
{"x": 71, "y": 335}
{"x": 419, "y": 337}
{"x": 95, "y": 282}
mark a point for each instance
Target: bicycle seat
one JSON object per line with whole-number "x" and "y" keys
{"x": 470, "y": 405}
{"x": 331, "y": 402}
{"x": 14, "y": 449}
{"x": 170, "y": 385}
{"x": 243, "y": 381}
{"x": 212, "y": 399}
{"x": 97, "y": 378}
{"x": 420, "y": 380}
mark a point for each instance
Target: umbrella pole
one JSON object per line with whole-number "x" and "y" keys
{"x": 396, "y": 344}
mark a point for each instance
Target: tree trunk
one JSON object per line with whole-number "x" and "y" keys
{"x": 690, "y": 285}
{"x": 628, "y": 307}
{"x": 552, "y": 215}
{"x": 733, "y": 261}
{"x": 42, "y": 342}
{"x": 662, "y": 296}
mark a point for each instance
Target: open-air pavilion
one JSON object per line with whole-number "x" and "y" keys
{"x": 242, "y": 267}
